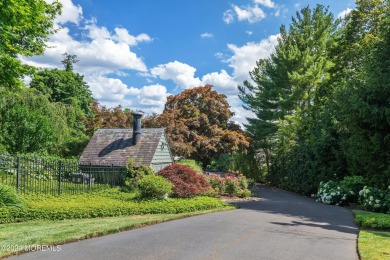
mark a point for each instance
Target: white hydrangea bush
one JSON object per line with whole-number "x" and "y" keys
{"x": 374, "y": 199}
{"x": 332, "y": 192}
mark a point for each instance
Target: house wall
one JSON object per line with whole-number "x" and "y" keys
{"x": 162, "y": 156}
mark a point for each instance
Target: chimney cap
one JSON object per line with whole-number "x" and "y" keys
{"x": 137, "y": 113}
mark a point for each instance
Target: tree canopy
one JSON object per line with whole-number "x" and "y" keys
{"x": 25, "y": 26}
{"x": 65, "y": 86}
{"x": 197, "y": 122}
{"x": 321, "y": 101}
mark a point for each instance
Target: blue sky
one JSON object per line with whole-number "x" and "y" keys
{"x": 137, "y": 52}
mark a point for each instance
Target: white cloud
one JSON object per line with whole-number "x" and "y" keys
{"x": 266, "y": 3}
{"x": 112, "y": 92}
{"x": 344, "y": 13}
{"x": 122, "y": 35}
{"x": 222, "y": 82}
{"x": 244, "y": 58}
{"x": 70, "y": 12}
{"x": 101, "y": 52}
{"x": 249, "y": 32}
{"x": 228, "y": 16}
{"x": 251, "y": 14}
{"x": 152, "y": 98}
{"x": 109, "y": 89}
{"x": 206, "y": 35}
{"x": 182, "y": 74}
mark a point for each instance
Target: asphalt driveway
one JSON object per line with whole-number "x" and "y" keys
{"x": 281, "y": 225}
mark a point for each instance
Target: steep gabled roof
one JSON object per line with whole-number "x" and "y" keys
{"x": 114, "y": 146}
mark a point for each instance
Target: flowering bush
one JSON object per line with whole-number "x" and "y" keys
{"x": 186, "y": 182}
{"x": 374, "y": 199}
{"x": 331, "y": 192}
{"x": 217, "y": 183}
{"x": 230, "y": 185}
{"x": 341, "y": 193}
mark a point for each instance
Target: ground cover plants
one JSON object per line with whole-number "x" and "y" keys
{"x": 107, "y": 203}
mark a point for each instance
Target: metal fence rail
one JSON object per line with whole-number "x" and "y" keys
{"x": 52, "y": 176}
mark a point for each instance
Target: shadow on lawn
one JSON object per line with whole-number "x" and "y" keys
{"x": 312, "y": 213}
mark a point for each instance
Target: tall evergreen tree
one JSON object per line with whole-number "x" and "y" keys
{"x": 286, "y": 87}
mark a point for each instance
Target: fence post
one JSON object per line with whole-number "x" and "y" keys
{"x": 112, "y": 179}
{"x": 18, "y": 174}
{"x": 89, "y": 177}
{"x": 59, "y": 177}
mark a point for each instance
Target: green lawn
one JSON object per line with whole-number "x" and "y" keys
{"x": 15, "y": 237}
{"x": 373, "y": 244}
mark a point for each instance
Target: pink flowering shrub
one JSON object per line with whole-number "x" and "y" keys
{"x": 230, "y": 185}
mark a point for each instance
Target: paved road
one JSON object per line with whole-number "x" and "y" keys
{"x": 281, "y": 225}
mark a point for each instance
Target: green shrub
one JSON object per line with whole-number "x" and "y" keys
{"x": 232, "y": 186}
{"x": 134, "y": 174}
{"x": 372, "y": 220}
{"x": 353, "y": 185}
{"x": 152, "y": 186}
{"x": 9, "y": 197}
{"x": 374, "y": 199}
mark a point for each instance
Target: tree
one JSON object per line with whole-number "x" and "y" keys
{"x": 363, "y": 100}
{"x": 65, "y": 86}
{"x": 29, "y": 123}
{"x": 68, "y": 61}
{"x": 291, "y": 84}
{"x": 197, "y": 122}
{"x": 151, "y": 121}
{"x": 25, "y": 26}
{"x": 108, "y": 118}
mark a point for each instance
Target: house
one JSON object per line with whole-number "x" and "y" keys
{"x": 147, "y": 146}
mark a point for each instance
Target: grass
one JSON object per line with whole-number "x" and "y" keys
{"x": 373, "y": 244}
{"x": 193, "y": 164}
{"x": 16, "y": 236}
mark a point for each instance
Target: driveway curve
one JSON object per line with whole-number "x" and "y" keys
{"x": 281, "y": 225}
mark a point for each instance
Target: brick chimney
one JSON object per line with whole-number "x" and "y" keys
{"x": 136, "y": 126}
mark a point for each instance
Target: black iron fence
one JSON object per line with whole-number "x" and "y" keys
{"x": 56, "y": 177}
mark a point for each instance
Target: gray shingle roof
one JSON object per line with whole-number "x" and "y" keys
{"x": 114, "y": 146}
